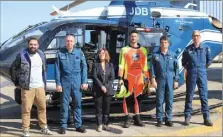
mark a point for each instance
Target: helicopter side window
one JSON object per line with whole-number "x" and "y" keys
{"x": 91, "y": 41}
{"x": 59, "y": 39}
{"x": 149, "y": 39}
{"x": 120, "y": 42}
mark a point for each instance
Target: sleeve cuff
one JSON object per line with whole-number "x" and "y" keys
{"x": 176, "y": 79}
{"x": 120, "y": 78}
{"x": 58, "y": 84}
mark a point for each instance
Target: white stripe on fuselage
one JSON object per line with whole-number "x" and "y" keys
{"x": 179, "y": 13}
{"x": 119, "y": 11}
{"x": 206, "y": 35}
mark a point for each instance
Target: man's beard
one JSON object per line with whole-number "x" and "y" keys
{"x": 32, "y": 50}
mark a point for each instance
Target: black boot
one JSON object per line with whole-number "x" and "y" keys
{"x": 159, "y": 123}
{"x": 187, "y": 122}
{"x": 127, "y": 122}
{"x": 169, "y": 123}
{"x": 81, "y": 129}
{"x": 62, "y": 131}
{"x": 137, "y": 121}
{"x": 208, "y": 122}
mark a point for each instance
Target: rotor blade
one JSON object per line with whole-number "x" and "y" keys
{"x": 57, "y": 11}
{"x": 69, "y": 6}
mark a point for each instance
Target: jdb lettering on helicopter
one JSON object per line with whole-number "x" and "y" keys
{"x": 139, "y": 11}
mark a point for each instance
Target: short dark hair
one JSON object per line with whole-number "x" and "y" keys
{"x": 133, "y": 31}
{"x": 164, "y": 37}
{"x": 32, "y": 38}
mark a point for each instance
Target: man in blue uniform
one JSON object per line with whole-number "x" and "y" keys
{"x": 165, "y": 75}
{"x": 196, "y": 58}
{"x": 71, "y": 77}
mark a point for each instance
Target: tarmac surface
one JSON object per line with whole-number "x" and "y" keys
{"x": 10, "y": 114}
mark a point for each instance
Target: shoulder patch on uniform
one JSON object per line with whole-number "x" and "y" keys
{"x": 208, "y": 49}
{"x": 156, "y": 58}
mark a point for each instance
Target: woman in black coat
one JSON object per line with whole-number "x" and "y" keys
{"x": 103, "y": 77}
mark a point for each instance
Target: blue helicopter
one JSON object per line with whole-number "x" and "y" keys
{"x": 109, "y": 27}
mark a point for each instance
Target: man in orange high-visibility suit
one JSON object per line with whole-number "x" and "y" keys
{"x": 133, "y": 71}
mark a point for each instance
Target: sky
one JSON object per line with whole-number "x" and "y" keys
{"x": 17, "y": 15}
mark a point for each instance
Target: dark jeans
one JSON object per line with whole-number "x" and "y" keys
{"x": 102, "y": 105}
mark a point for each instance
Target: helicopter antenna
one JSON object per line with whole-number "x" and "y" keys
{"x": 68, "y": 6}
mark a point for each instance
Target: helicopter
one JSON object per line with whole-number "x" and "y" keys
{"x": 108, "y": 27}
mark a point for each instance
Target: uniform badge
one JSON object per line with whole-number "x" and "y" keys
{"x": 135, "y": 57}
{"x": 156, "y": 58}
{"x": 171, "y": 58}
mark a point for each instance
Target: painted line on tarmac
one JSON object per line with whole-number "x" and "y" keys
{"x": 217, "y": 126}
{"x": 5, "y": 83}
{"x": 5, "y": 106}
{"x": 196, "y": 130}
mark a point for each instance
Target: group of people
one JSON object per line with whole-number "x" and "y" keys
{"x": 28, "y": 72}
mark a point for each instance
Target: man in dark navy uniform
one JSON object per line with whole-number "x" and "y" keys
{"x": 196, "y": 58}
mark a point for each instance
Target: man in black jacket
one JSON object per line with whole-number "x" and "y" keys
{"x": 28, "y": 73}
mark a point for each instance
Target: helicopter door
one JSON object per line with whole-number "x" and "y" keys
{"x": 94, "y": 40}
{"x": 116, "y": 42}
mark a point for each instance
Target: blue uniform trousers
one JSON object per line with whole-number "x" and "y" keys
{"x": 71, "y": 89}
{"x": 164, "y": 93}
{"x": 196, "y": 76}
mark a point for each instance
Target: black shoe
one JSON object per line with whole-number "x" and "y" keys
{"x": 81, "y": 130}
{"x": 127, "y": 122}
{"x": 62, "y": 131}
{"x": 159, "y": 124}
{"x": 187, "y": 122}
{"x": 169, "y": 123}
{"x": 208, "y": 122}
{"x": 138, "y": 122}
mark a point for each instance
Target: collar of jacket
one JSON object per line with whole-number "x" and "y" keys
{"x": 139, "y": 46}
{"x": 26, "y": 54}
{"x": 67, "y": 52}
{"x": 168, "y": 53}
{"x": 200, "y": 46}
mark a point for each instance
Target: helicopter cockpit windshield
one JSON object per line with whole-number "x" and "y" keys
{"x": 31, "y": 31}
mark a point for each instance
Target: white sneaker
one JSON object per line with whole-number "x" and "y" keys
{"x": 99, "y": 128}
{"x": 26, "y": 133}
{"x": 46, "y": 131}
